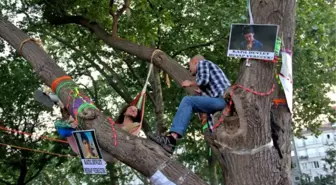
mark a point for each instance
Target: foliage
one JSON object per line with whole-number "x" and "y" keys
{"x": 181, "y": 29}
{"x": 19, "y": 111}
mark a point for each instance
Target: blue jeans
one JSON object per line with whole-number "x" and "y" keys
{"x": 190, "y": 104}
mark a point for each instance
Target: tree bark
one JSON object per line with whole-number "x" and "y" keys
{"x": 158, "y": 100}
{"x": 141, "y": 154}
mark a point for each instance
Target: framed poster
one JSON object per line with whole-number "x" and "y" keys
{"x": 90, "y": 153}
{"x": 255, "y": 41}
{"x": 87, "y": 144}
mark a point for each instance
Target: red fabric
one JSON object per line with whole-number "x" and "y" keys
{"x": 142, "y": 112}
{"x": 136, "y": 99}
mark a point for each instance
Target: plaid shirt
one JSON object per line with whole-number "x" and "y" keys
{"x": 211, "y": 79}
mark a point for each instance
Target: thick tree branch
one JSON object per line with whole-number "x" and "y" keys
{"x": 116, "y": 16}
{"x": 149, "y": 156}
{"x": 161, "y": 60}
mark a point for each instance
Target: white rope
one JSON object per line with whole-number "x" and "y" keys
{"x": 147, "y": 79}
{"x": 252, "y": 151}
{"x": 250, "y": 12}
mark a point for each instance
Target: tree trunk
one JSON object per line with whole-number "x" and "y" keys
{"x": 141, "y": 154}
{"x": 234, "y": 141}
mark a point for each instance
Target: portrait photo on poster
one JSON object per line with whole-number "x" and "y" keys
{"x": 87, "y": 144}
{"x": 255, "y": 41}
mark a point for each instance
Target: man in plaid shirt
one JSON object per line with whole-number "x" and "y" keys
{"x": 212, "y": 83}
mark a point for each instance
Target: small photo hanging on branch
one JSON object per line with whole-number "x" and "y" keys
{"x": 255, "y": 41}
{"x": 90, "y": 153}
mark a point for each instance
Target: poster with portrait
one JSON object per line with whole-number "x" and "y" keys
{"x": 255, "y": 41}
{"x": 90, "y": 153}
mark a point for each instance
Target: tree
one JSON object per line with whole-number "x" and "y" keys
{"x": 18, "y": 111}
{"x": 178, "y": 75}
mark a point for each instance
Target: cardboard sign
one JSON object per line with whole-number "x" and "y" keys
{"x": 90, "y": 153}
{"x": 255, "y": 41}
{"x": 159, "y": 179}
{"x": 286, "y": 78}
{"x": 94, "y": 166}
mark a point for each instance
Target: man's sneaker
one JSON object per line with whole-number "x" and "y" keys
{"x": 167, "y": 142}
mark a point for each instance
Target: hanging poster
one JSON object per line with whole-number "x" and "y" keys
{"x": 255, "y": 41}
{"x": 90, "y": 153}
{"x": 159, "y": 179}
{"x": 286, "y": 78}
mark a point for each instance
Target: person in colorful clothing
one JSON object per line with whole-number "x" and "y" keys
{"x": 211, "y": 83}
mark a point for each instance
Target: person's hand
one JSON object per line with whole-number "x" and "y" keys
{"x": 198, "y": 91}
{"x": 73, "y": 122}
{"x": 186, "y": 83}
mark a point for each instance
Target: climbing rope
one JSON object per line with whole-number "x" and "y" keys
{"x": 38, "y": 151}
{"x": 167, "y": 76}
{"x": 221, "y": 119}
{"x": 37, "y": 41}
{"x": 30, "y": 134}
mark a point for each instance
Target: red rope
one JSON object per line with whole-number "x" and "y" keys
{"x": 113, "y": 130}
{"x": 221, "y": 119}
{"x": 280, "y": 74}
{"x": 30, "y": 134}
{"x": 252, "y": 91}
{"x": 34, "y": 150}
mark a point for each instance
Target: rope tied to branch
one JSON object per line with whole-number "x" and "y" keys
{"x": 228, "y": 109}
{"x": 37, "y": 151}
{"x": 57, "y": 81}
{"x": 166, "y": 76}
{"x": 250, "y": 151}
{"x": 37, "y": 41}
